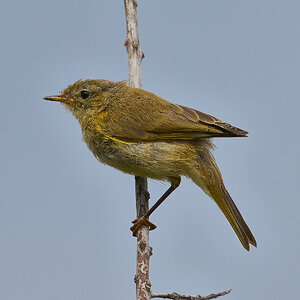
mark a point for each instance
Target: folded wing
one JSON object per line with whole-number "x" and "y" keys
{"x": 158, "y": 119}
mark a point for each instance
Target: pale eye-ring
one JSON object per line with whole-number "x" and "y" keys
{"x": 84, "y": 94}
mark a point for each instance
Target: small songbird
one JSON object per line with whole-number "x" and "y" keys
{"x": 145, "y": 135}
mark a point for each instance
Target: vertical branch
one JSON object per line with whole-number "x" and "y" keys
{"x": 132, "y": 44}
{"x": 135, "y": 56}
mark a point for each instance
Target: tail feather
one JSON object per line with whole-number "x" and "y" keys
{"x": 238, "y": 217}
{"x": 234, "y": 217}
{"x": 207, "y": 176}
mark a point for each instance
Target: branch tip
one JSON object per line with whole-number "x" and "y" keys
{"x": 176, "y": 296}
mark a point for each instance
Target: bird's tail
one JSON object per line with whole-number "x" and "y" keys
{"x": 235, "y": 219}
{"x": 208, "y": 177}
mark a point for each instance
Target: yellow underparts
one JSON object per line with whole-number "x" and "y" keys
{"x": 108, "y": 137}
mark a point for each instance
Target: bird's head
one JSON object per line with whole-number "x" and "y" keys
{"x": 86, "y": 95}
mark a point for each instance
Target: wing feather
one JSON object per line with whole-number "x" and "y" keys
{"x": 147, "y": 117}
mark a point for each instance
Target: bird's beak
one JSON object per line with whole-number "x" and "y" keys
{"x": 59, "y": 98}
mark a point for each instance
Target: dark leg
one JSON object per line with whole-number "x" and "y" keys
{"x": 175, "y": 181}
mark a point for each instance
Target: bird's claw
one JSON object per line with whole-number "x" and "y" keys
{"x": 138, "y": 223}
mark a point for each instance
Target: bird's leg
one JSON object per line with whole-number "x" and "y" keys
{"x": 138, "y": 223}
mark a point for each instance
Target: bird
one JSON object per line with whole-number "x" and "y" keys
{"x": 140, "y": 133}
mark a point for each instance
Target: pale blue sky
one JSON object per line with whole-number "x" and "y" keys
{"x": 64, "y": 218}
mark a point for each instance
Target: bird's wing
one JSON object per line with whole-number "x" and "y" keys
{"x": 150, "y": 118}
{"x": 184, "y": 122}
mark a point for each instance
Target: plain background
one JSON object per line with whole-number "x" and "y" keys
{"x": 64, "y": 218}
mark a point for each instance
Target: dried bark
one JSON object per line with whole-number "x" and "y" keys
{"x": 144, "y": 251}
{"x": 176, "y": 296}
{"x": 135, "y": 56}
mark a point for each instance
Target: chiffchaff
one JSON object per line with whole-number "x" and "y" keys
{"x": 142, "y": 134}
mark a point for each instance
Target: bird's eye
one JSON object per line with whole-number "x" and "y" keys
{"x": 84, "y": 94}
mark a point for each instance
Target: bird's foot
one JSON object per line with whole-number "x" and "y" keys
{"x": 138, "y": 223}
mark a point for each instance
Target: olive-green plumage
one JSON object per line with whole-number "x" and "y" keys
{"x": 145, "y": 135}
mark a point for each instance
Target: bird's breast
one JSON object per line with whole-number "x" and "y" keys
{"x": 157, "y": 160}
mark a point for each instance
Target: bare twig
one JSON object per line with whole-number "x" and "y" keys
{"x": 144, "y": 251}
{"x": 135, "y": 56}
{"x": 176, "y": 296}
{"x": 132, "y": 44}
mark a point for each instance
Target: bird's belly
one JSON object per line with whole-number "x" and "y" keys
{"x": 157, "y": 160}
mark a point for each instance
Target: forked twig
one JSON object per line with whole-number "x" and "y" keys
{"x": 176, "y": 296}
